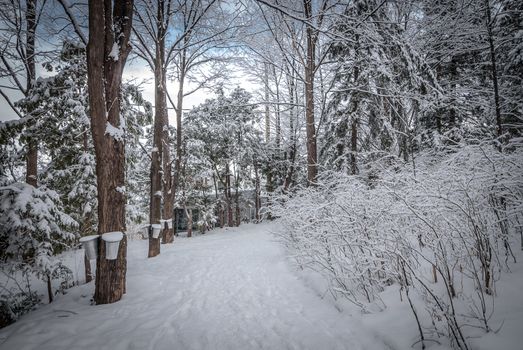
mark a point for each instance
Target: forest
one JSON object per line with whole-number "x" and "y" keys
{"x": 373, "y": 147}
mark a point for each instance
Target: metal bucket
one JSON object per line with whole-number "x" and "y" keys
{"x": 157, "y": 228}
{"x": 112, "y": 243}
{"x": 90, "y": 245}
{"x": 146, "y": 231}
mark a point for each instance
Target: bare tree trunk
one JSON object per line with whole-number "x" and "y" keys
{"x": 237, "y": 200}
{"x": 292, "y": 152}
{"x": 312, "y": 156}
{"x": 31, "y": 175}
{"x": 109, "y": 28}
{"x": 354, "y": 127}
{"x": 49, "y": 288}
{"x": 86, "y": 223}
{"x": 228, "y": 196}
{"x": 88, "y": 272}
{"x": 354, "y": 145}
{"x": 278, "y": 114}
{"x": 179, "y": 133}
{"x": 267, "y": 114}
{"x": 257, "y": 190}
{"x": 32, "y": 148}
{"x": 155, "y": 209}
{"x": 188, "y": 214}
{"x": 497, "y": 104}
{"x": 161, "y": 108}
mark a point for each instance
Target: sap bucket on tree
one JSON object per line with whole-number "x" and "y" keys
{"x": 157, "y": 228}
{"x": 146, "y": 231}
{"x": 112, "y": 243}
{"x": 90, "y": 245}
{"x": 169, "y": 223}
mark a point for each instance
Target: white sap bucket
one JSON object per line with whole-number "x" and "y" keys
{"x": 156, "y": 230}
{"x": 146, "y": 231}
{"x": 169, "y": 223}
{"x": 112, "y": 243}
{"x": 90, "y": 245}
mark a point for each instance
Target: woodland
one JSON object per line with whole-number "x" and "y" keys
{"x": 381, "y": 140}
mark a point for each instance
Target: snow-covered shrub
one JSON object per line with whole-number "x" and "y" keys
{"x": 16, "y": 295}
{"x": 34, "y": 229}
{"x": 206, "y": 219}
{"x": 443, "y": 230}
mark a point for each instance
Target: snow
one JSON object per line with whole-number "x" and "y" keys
{"x": 88, "y": 238}
{"x": 116, "y": 133}
{"x": 114, "y": 54}
{"x": 228, "y": 289}
{"x": 115, "y": 236}
{"x": 235, "y": 288}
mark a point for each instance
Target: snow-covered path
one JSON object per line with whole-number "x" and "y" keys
{"x": 229, "y": 289}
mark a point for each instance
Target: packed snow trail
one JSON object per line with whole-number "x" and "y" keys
{"x": 228, "y": 289}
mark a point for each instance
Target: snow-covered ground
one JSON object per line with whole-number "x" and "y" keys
{"x": 228, "y": 289}
{"x": 235, "y": 289}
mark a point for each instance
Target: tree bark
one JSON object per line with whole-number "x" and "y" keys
{"x": 109, "y": 26}
{"x": 312, "y": 156}
{"x": 32, "y": 148}
{"x": 354, "y": 146}
{"x": 155, "y": 208}
{"x": 179, "y": 132}
{"x": 257, "y": 192}
{"x": 267, "y": 114}
{"x": 49, "y": 288}
{"x": 161, "y": 104}
{"x": 228, "y": 196}
{"x": 237, "y": 200}
{"x": 31, "y": 176}
{"x": 88, "y": 272}
{"x": 293, "y": 146}
{"x": 497, "y": 104}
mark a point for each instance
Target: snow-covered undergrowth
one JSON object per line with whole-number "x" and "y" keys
{"x": 33, "y": 228}
{"x": 231, "y": 288}
{"x": 444, "y": 232}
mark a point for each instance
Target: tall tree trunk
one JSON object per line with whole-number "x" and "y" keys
{"x": 312, "y": 156}
{"x": 354, "y": 124}
{"x": 32, "y": 148}
{"x": 168, "y": 183}
{"x": 267, "y": 114}
{"x": 493, "y": 65}
{"x": 278, "y": 114}
{"x": 179, "y": 132}
{"x": 50, "y": 288}
{"x": 228, "y": 196}
{"x": 86, "y": 223}
{"x": 109, "y": 28}
{"x": 155, "y": 209}
{"x": 88, "y": 272}
{"x": 257, "y": 192}
{"x": 354, "y": 145}
{"x": 237, "y": 199}
{"x": 292, "y": 151}
{"x": 31, "y": 175}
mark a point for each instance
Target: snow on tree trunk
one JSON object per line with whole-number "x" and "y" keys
{"x": 108, "y": 127}
{"x": 155, "y": 209}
